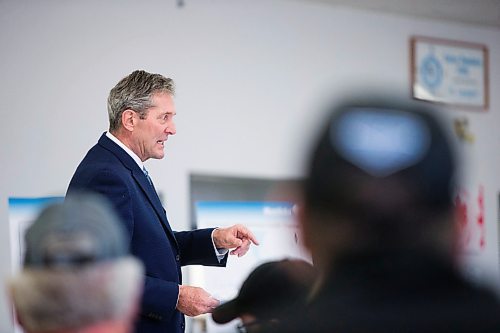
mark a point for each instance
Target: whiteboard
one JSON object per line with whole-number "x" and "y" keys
{"x": 276, "y": 229}
{"x": 22, "y": 213}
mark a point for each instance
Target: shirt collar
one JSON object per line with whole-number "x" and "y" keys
{"x": 127, "y": 149}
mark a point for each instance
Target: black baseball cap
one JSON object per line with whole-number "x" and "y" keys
{"x": 80, "y": 230}
{"x": 379, "y": 156}
{"x": 270, "y": 290}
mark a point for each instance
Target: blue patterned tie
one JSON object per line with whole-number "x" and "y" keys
{"x": 147, "y": 175}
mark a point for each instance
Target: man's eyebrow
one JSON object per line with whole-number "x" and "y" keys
{"x": 167, "y": 113}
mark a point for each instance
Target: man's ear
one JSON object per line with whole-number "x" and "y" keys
{"x": 128, "y": 119}
{"x": 15, "y": 313}
{"x": 19, "y": 319}
{"x": 304, "y": 224}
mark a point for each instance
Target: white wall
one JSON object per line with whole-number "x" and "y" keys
{"x": 250, "y": 78}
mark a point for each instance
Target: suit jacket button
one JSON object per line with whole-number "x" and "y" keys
{"x": 178, "y": 257}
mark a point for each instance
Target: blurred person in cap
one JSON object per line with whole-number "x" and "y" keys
{"x": 77, "y": 275}
{"x": 378, "y": 218}
{"x": 272, "y": 291}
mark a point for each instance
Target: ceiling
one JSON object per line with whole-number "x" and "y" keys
{"x": 478, "y": 12}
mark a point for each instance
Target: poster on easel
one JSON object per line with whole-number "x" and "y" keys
{"x": 22, "y": 213}
{"x": 470, "y": 214}
{"x": 275, "y": 227}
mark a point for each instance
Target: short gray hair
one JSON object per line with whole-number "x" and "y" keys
{"x": 48, "y": 300}
{"x": 135, "y": 92}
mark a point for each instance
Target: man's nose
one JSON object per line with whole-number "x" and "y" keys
{"x": 171, "y": 129}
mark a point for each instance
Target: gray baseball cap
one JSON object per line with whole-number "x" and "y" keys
{"x": 80, "y": 230}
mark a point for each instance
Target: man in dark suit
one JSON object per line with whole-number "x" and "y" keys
{"x": 378, "y": 218}
{"x": 141, "y": 115}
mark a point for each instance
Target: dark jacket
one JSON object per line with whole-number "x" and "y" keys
{"x": 109, "y": 170}
{"x": 398, "y": 292}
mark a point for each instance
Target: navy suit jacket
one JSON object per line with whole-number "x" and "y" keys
{"x": 107, "y": 169}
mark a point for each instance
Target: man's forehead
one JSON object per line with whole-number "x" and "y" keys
{"x": 164, "y": 102}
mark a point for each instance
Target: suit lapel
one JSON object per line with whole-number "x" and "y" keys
{"x": 153, "y": 198}
{"x": 141, "y": 180}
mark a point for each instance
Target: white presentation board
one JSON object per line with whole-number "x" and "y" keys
{"x": 22, "y": 212}
{"x": 274, "y": 226}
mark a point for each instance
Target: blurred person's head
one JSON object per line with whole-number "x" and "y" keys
{"x": 77, "y": 275}
{"x": 380, "y": 178}
{"x": 272, "y": 291}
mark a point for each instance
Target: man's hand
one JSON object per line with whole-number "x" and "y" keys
{"x": 237, "y": 237}
{"x": 194, "y": 301}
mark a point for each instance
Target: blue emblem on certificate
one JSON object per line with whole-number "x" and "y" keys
{"x": 431, "y": 72}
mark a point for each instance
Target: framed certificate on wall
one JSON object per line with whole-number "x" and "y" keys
{"x": 450, "y": 72}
